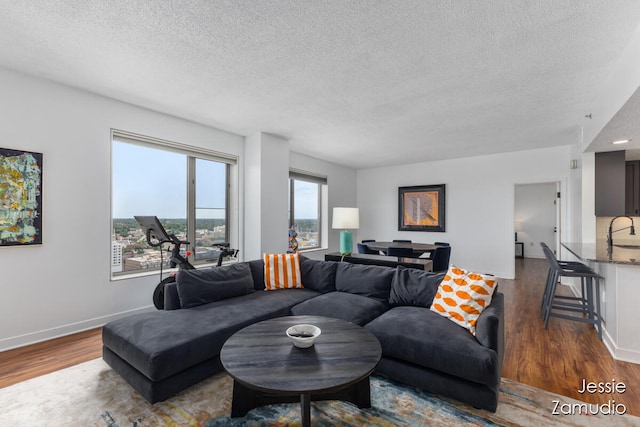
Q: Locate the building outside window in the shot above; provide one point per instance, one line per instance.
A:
(187, 188)
(305, 208)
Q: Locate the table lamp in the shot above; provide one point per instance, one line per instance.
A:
(346, 219)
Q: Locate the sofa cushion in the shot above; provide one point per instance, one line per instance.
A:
(162, 343)
(341, 305)
(318, 275)
(257, 271)
(422, 337)
(367, 280)
(490, 326)
(202, 286)
(462, 296)
(282, 271)
(411, 286)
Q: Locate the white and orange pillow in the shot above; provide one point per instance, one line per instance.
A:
(462, 296)
(282, 271)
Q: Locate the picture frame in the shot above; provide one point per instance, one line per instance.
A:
(422, 208)
(20, 197)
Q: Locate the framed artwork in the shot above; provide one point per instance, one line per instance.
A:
(421, 208)
(20, 198)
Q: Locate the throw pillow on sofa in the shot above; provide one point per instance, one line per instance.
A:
(317, 275)
(367, 280)
(462, 296)
(415, 287)
(197, 287)
(282, 271)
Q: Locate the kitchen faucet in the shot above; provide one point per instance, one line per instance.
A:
(611, 231)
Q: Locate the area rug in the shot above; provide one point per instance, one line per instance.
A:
(91, 394)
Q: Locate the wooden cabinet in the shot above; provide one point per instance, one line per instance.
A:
(610, 174)
(632, 188)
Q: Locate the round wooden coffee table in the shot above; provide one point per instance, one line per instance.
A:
(267, 368)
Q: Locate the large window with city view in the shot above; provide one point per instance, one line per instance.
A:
(187, 189)
(305, 208)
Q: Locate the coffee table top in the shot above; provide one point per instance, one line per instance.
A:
(263, 358)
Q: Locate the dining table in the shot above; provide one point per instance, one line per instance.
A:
(418, 248)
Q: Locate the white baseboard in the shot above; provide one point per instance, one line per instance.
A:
(621, 354)
(60, 331)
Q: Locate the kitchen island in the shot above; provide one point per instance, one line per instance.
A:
(619, 266)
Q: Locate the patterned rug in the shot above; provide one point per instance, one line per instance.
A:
(91, 394)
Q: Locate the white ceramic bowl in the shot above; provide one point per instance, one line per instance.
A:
(303, 336)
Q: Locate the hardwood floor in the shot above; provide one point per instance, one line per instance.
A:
(560, 357)
(556, 359)
(38, 359)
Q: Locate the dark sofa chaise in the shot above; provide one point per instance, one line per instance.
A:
(161, 353)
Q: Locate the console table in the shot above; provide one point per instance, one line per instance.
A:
(387, 261)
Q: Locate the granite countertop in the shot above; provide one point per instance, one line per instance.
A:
(599, 252)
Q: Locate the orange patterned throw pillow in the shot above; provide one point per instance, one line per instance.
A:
(282, 271)
(462, 296)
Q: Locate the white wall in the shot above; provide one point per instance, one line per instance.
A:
(341, 183)
(266, 195)
(64, 285)
(574, 214)
(535, 213)
(479, 202)
(588, 198)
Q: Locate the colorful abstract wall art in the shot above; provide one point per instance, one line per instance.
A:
(20, 198)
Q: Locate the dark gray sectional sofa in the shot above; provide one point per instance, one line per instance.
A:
(161, 353)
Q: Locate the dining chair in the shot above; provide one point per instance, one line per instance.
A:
(441, 244)
(402, 241)
(366, 248)
(440, 257)
(400, 252)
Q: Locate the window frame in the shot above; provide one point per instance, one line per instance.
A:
(320, 180)
(191, 154)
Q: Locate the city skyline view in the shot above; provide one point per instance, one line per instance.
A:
(150, 181)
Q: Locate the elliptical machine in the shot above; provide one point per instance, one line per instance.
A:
(156, 236)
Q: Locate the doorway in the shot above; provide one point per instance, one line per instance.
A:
(537, 218)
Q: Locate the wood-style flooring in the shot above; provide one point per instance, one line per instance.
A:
(560, 357)
(556, 359)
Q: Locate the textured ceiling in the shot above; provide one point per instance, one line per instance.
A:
(361, 83)
(624, 125)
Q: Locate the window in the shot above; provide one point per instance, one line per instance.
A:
(187, 188)
(306, 207)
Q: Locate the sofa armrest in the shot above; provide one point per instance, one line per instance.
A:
(171, 298)
(490, 325)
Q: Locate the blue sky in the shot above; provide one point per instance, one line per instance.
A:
(153, 182)
(147, 181)
(306, 197)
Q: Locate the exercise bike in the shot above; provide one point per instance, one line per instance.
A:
(157, 236)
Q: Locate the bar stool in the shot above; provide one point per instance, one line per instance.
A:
(554, 305)
(565, 265)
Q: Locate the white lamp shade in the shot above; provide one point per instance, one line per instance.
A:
(346, 218)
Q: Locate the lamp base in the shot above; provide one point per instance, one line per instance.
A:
(346, 243)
